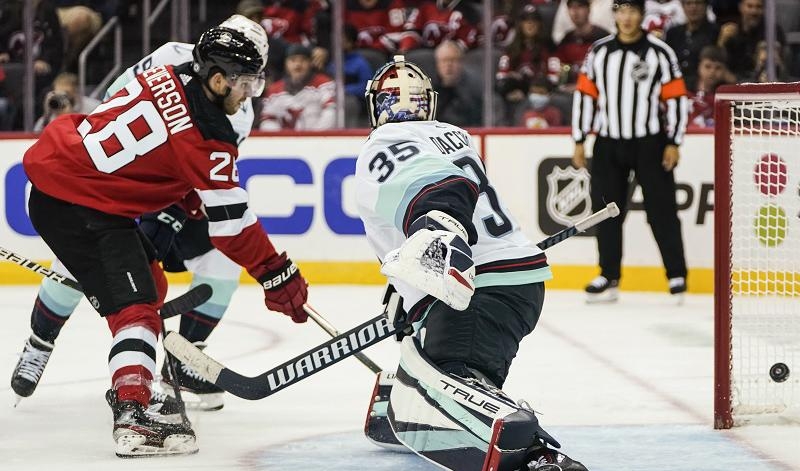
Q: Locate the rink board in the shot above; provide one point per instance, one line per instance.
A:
(316, 222)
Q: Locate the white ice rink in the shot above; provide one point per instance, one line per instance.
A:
(623, 387)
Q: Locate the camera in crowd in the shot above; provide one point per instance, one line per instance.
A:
(59, 101)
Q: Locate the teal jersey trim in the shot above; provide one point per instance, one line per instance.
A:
(513, 278)
(395, 195)
(60, 299)
(117, 85)
(220, 299)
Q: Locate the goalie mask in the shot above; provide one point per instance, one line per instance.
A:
(237, 47)
(399, 92)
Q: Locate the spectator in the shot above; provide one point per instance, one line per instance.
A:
(689, 39)
(460, 95)
(357, 73)
(576, 43)
(431, 23)
(505, 11)
(294, 22)
(530, 56)
(540, 112)
(599, 14)
(302, 100)
(759, 74)
(741, 38)
(379, 23)
(64, 99)
(80, 22)
(661, 15)
(48, 50)
(710, 74)
(725, 10)
(48, 47)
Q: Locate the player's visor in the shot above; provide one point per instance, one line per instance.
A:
(251, 84)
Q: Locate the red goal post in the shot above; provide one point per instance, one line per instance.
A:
(757, 254)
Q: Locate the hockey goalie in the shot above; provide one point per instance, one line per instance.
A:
(471, 285)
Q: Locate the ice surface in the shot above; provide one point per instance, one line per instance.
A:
(623, 387)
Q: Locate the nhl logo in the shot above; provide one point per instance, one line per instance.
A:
(95, 302)
(568, 197)
(640, 71)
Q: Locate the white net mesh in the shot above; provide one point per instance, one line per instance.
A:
(765, 259)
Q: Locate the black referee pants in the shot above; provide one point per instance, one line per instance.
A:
(612, 161)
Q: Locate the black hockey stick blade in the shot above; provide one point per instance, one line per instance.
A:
(297, 369)
(186, 302)
(182, 304)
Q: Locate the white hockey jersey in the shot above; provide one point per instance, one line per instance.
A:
(399, 162)
(174, 53)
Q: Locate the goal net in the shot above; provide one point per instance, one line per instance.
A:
(757, 254)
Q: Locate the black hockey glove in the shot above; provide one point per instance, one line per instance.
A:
(162, 227)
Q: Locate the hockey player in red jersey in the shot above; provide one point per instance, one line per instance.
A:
(164, 137)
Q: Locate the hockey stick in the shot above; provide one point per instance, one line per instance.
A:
(331, 330)
(326, 354)
(179, 305)
(610, 211)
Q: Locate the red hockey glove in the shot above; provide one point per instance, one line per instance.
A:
(285, 289)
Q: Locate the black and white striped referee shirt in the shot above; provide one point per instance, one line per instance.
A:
(623, 91)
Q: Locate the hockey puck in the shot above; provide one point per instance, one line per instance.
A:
(779, 372)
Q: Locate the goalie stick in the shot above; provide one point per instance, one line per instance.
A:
(179, 305)
(331, 352)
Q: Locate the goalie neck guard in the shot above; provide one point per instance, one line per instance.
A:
(399, 91)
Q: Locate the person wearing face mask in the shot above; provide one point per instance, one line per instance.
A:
(541, 113)
(625, 83)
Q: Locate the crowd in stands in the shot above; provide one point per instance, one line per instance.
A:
(538, 45)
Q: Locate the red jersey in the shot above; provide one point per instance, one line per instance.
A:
(145, 148)
(378, 28)
(292, 21)
(430, 25)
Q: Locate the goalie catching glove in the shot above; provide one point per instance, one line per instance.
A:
(435, 259)
(285, 289)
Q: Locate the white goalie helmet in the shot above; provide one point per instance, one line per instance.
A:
(399, 91)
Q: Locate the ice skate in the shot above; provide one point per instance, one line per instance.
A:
(547, 459)
(677, 288)
(165, 405)
(30, 366)
(139, 432)
(602, 290)
(196, 392)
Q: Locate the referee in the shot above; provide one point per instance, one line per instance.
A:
(631, 92)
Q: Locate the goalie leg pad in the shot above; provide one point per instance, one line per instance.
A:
(376, 427)
(453, 422)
